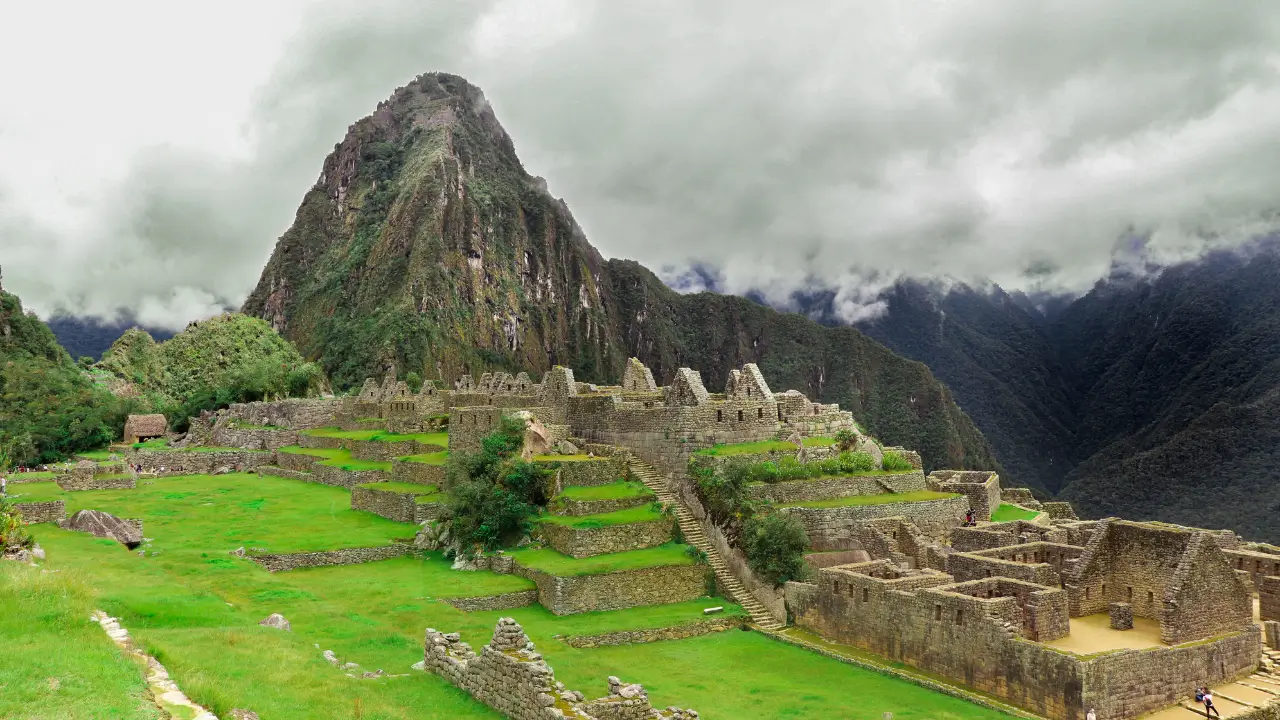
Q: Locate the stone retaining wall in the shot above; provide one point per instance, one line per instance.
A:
(422, 512)
(336, 476)
(1269, 598)
(348, 556)
(591, 473)
(42, 512)
(285, 473)
(833, 528)
(379, 451)
(836, 487)
(76, 483)
(417, 473)
(392, 505)
(253, 438)
(505, 601)
(296, 461)
(617, 590)
(577, 508)
(648, 635)
(587, 542)
(294, 413)
(196, 462)
(321, 443)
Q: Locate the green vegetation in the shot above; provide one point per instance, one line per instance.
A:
(566, 458)
(432, 458)
(554, 563)
(152, 444)
(1007, 512)
(882, 499)
(49, 408)
(440, 439)
(349, 463)
(895, 461)
(493, 494)
(767, 446)
(95, 454)
(13, 534)
(326, 453)
(788, 469)
(57, 662)
(643, 513)
(613, 491)
(774, 544)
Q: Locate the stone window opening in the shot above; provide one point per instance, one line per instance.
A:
(748, 392)
(866, 595)
(988, 573)
(719, 416)
(1129, 593)
(937, 612)
(1239, 563)
(779, 414)
(1151, 596)
(836, 586)
(759, 413)
(959, 616)
(1104, 591)
(1086, 593)
(739, 416)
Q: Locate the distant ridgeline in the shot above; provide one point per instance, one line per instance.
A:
(91, 337)
(425, 243)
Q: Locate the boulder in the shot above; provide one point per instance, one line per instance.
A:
(21, 555)
(867, 445)
(564, 447)
(37, 552)
(104, 525)
(278, 621)
(242, 714)
(537, 438)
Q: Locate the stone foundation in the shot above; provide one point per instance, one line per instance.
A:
(74, 483)
(590, 473)
(833, 528)
(648, 635)
(417, 473)
(578, 508)
(285, 473)
(42, 512)
(348, 556)
(505, 601)
(1121, 616)
(199, 462)
(296, 461)
(836, 487)
(617, 590)
(336, 476)
(392, 505)
(510, 677)
(587, 542)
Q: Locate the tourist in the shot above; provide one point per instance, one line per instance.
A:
(969, 520)
(4, 486)
(1208, 704)
(1091, 715)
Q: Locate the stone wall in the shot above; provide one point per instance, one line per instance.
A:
(379, 451)
(422, 512)
(586, 542)
(505, 601)
(1059, 510)
(392, 505)
(229, 435)
(296, 461)
(469, 425)
(617, 590)
(577, 508)
(923, 621)
(836, 487)
(647, 635)
(287, 474)
(294, 414)
(1269, 598)
(417, 473)
(319, 442)
(42, 512)
(982, 487)
(832, 528)
(511, 677)
(1258, 565)
(336, 476)
(75, 483)
(968, 539)
(195, 462)
(1040, 562)
(589, 473)
(348, 556)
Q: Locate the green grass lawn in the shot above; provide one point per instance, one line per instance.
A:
(41, 474)
(95, 454)
(422, 493)
(346, 462)
(765, 446)
(152, 444)
(550, 561)
(886, 498)
(196, 608)
(334, 432)
(57, 662)
(643, 513)
(433, 458)
(613, 491)
(440, 439)
(1007, 512)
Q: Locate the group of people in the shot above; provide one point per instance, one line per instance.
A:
(1204, 696)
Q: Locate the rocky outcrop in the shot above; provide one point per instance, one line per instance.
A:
(277, 621)
(105, 525)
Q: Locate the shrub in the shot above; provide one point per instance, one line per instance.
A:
(895, 462)
(724, 494)
(494, 495)
(851, 462)
(775, 545)
(13, 534)
(845, 439)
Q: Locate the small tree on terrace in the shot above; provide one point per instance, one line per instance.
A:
(493, 494)
(774, 544)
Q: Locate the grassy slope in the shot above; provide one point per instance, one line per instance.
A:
(613, 491)
(197, 610)
(553, 562)
(885, 499)
(1007, 512)
(57, 662)
(640, 514)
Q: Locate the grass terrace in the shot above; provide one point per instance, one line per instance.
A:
(552, 562)
(96, 454)
(1007, 512)
(440, 439)
(613, 491)
(836, 476)
(432, 458)
(883, 499)
(152, 444)
(41, 474)
(421, 493)
(644, 513)
(325, 453)
(767, 446)
(346, 462)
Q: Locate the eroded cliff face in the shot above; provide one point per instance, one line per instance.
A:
(425, 243)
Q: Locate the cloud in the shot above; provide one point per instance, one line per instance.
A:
(786, 145)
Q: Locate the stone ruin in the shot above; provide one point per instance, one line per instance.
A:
(510, 676)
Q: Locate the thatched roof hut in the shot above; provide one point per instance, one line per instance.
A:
(144, 427)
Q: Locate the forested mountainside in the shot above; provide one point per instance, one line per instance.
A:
(91, 337)
(425, 243)
(1156, 398)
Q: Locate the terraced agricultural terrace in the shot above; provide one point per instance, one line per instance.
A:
(341, 516)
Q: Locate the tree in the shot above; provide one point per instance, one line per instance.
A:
(493, 494)
(774, 544)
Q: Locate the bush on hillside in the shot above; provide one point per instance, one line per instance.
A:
(493, 494)
(894, 461)
(788, 468)
(13, 533)
(724, 494)
(774, 544)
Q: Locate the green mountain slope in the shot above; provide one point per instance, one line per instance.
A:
(425, 243)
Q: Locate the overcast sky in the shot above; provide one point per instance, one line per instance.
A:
(151, 152)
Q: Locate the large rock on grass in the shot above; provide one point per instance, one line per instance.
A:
(104, 525)
(278, 621)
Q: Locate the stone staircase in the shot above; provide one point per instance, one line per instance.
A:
(1235, 698)
(694, 535)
